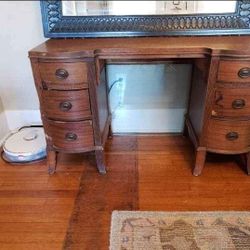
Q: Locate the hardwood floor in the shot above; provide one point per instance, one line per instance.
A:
(145, 173)
(35, 207)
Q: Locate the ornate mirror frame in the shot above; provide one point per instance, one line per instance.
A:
(56, 25)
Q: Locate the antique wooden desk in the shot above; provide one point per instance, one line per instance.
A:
(71, 84)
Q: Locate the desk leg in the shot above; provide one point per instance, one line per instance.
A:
(110, 134)
(99, 156)
(199, 161)
(51, 161)
(185, 132)
(248, 163)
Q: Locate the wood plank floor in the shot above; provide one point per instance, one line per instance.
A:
(36, 209)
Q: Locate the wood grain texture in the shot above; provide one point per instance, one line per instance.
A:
(66, 105)
(248, 163)
(68, 100)
(197, 101)
(229, 70)
(71, 136)
(225, 103)
(217, 136)
(51, 160)
(100, 110)
(77, 75)
(200, 159)
(150, 173)
(209, 94)
(159, 47)
(64, 64)
(35, 207)
(99, 105)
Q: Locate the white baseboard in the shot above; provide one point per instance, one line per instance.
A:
(19, 118)
(140, 121)
(126, 120)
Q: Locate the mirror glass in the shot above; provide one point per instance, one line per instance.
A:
(97, 8)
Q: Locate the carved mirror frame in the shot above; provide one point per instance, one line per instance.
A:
(56, 25)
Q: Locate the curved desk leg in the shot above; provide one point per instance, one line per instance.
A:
(51, 161)
(99, 156)
(199, 161)
(185, 132)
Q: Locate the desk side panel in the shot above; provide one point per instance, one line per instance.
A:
(197, 102)
(99, 104)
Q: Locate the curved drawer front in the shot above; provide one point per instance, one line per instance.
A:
(70, 136)
(234, 71)
(59, 75)
(228, 135)
(66, 105)
(231, 103)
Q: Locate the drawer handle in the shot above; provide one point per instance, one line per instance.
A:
(62, 73)
(232, 136)
(238, 104)
(71, 137)
(244, 73)
(65, 106)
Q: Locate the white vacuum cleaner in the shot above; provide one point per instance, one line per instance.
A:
(28, 144)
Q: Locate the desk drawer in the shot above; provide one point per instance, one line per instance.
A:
(233, 136)
(66, 105)
(234, 71)
(229, 102)
(58, 75)
(70, 136)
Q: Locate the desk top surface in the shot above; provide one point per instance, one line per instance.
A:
(143, 47)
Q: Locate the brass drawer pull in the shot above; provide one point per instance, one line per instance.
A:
(238, 104)
(232, 136)
(62, 73)
(71, 137)
(244, 73)
(65, 106)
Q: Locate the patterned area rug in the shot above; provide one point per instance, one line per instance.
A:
(180, 230)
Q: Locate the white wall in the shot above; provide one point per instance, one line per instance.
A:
(149, 98)
(21, 30)
(3, 124)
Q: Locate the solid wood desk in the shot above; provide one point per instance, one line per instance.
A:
(72, 89)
